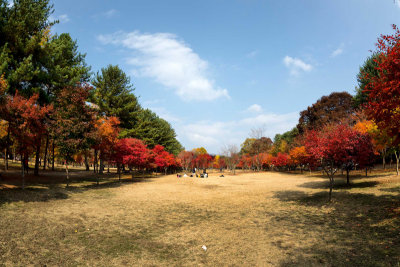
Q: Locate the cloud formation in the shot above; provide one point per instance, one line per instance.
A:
(255, 108)
(252, 54)
(215, 135)
(110, 13)
(64, 18)
(338, 51)
(170, 61)
(296, 65)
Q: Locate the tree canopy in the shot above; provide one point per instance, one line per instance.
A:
(114, 95)
(328, 109)
(367, 71)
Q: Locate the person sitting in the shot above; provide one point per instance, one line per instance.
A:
(221, 175)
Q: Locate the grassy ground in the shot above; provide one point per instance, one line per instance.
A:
(248, 219)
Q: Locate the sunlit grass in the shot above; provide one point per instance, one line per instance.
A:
(247, 219)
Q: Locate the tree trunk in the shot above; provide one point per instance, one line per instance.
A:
(14, 155)
(348, 176)
(39, 144)
(95, 161)
(366, 172)
(86, 161)
(101, 169)
(384, 158)
(23, 171)
(66, 169)
(331, 172)
(119, 172)
(5, 160)
(330, 188)
(6, 150)
(53, 157)
(397, 161)
(45, 152)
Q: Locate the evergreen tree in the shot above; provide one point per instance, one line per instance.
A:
(155, 131)
(113, 94)
(22, 30)
(65, 65)
(367, 72)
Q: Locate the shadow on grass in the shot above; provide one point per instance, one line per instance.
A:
(338, 184)
(317, 199)
(353, 176)
(9, 195)
(355, 230)
(391, 190)
(53, 186)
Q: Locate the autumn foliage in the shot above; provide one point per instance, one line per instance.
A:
(27, 120)
(384, 89)
(339, 146)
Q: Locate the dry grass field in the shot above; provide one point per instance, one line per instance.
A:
(250, 219)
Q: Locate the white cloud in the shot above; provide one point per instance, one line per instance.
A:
(255, 108)
(296, 65)
(151, 102)
(398, 3)
(252, 54)
(170, 61)
(338, 51)
(214, 135)
(165, 114)
(110, 13)
(64, 18)
(107, 14)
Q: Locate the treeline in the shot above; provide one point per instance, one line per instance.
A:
(338, 132)
(52, 107)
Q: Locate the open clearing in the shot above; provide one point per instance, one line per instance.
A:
(248, 219)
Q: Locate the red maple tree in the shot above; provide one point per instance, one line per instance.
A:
(186, 159)
(384, 89)
(163, 159)
(281, 160)
(106, 137)
(338, 146)
(27, 123)
(203, 161)
(133, 153)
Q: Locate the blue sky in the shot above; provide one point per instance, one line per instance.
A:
(217, 69)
